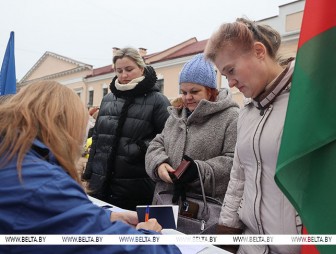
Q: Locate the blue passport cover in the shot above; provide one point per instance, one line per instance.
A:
(164, 214)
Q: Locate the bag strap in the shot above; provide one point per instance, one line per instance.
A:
(205, 212)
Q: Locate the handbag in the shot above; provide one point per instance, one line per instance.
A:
(203, 210)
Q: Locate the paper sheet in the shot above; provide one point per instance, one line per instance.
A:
(103, 204)
(185, 249)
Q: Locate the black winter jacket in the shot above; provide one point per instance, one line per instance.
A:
(127, 122)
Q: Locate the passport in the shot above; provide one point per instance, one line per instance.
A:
(166, 215)
(180, 170)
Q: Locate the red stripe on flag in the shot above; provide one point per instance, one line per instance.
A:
(319, 16)
(308, 249)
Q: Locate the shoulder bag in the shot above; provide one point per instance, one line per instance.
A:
(199, 214)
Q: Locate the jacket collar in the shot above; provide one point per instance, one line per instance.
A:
(266, 98)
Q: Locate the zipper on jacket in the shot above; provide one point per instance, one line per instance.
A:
(259, 224)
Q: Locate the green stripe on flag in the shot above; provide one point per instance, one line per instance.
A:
(306, 168)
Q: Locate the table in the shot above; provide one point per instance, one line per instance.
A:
(210, 249)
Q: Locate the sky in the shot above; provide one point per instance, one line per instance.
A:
(87, 30)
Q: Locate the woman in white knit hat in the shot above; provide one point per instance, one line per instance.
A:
(202, 131)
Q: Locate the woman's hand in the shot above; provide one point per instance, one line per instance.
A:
(163, 170)
(151, 224)
(129, 217)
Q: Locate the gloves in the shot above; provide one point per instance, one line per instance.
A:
(179, 191)
(188, 176)
(224, 230)
(191, 173)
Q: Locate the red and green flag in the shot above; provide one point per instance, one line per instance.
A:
(306, 167)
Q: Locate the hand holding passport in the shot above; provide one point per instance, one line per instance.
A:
(186, 172)
(179, 171)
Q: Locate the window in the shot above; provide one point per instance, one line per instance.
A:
(79, 91)
(159, 83)
(90, 103)
(105, 89)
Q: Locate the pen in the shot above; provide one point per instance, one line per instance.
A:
(147, 213)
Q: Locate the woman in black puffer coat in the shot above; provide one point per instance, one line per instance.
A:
(129, 118)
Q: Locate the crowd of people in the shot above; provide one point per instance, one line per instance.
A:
(138, 139)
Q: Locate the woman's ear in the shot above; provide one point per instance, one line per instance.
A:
(259, 50)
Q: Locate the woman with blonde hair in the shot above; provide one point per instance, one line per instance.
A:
(129, 118)
(42, 129)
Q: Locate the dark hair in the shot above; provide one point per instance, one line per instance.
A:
(243, 33)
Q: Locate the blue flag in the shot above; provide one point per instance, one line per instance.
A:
(7, 74)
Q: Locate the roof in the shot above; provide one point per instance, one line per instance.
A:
(186, 48)
(191, 49)
(80, 65)
(101, 71)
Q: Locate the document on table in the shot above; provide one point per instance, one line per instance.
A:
(105, 205)
(166, 215)
(185, 249)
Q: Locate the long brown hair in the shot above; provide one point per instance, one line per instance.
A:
(49, 112)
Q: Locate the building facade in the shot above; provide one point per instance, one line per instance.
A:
(92, 84)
